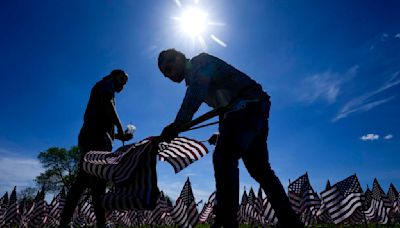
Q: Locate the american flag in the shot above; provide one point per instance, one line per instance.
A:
(124, 218)
(188, 198)
(12, 216)
(344, 200)
(380, 205)
(55, 208)
(86, 211)
(161, 210)
(179, 213)
(117, 217)
(132, 169)
(3, 207)
(367, 198)
(28, 215)
(39, 213)
(323, 215)
(393, 196)
(22, 211)
(145, 216)
(258, 207)
(304, 200)
(251, 197)
(131, 218)
(259, 203)
(241, 212)
(250, 211)
(208, 208)
(181, 152)
(246, 213)
(269, 213)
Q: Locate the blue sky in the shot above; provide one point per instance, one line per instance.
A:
(332, 70)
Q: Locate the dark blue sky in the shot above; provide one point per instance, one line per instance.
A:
(332, 70)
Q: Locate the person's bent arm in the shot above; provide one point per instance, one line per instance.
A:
(191, 103)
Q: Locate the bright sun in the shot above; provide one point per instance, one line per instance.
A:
(195, 23)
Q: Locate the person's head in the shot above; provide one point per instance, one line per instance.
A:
(172, 64)
(120, 78)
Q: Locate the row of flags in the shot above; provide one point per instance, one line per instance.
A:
(135, 199)
(30, 214)
(342, 203)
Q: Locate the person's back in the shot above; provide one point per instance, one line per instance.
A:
(94, 116)
(224, 83)
(97, 123)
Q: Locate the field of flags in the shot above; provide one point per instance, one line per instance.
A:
(342, 203)
(132, 171)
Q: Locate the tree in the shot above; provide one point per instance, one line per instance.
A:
(28, 193)
(60, 166)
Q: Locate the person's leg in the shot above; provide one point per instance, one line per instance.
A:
(227, 186)
(73, 196)
(232, 142)
(98, 189)
(97, 186)
(256, 162)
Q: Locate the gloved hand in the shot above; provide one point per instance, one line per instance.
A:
(213, 139)
(169, 132)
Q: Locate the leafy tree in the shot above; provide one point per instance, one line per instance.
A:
(28, 193)
(60, 168)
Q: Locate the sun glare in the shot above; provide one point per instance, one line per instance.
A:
(195, 23)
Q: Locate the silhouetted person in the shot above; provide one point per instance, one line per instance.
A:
(243, 129)
(97, 133)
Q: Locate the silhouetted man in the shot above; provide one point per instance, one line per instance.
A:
(97, 133)
(243, 129)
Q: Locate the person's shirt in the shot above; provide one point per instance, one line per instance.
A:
(213, 81)
(96, 118)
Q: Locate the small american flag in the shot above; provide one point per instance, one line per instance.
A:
(188, 198)
(344, 200)
(304, 200)
(181, 152)
(39, 214)
(12, 216)
(208, 208)
(393, 196)
(161, 210)
(380, 205)
(3, 207)
(55, 208)
(269, 213)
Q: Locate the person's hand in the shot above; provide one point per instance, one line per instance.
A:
(213, 139)
(124, 136)
(169, 132)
